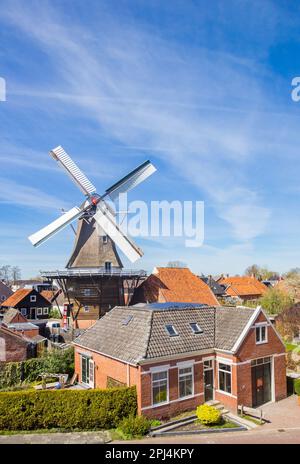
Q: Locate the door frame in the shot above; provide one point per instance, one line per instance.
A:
(272, 381)
(213, 377)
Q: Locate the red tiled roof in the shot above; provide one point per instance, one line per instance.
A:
(50, 294)
(16, 297)
(179, 285)
(243, 286)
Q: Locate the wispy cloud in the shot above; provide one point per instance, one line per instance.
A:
(161, 96)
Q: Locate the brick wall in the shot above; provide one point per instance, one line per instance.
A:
(12, 348)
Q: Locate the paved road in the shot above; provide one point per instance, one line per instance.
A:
(267, 436)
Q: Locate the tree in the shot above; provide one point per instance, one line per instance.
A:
(260, 273)
(15, 273)
(274, 301)
(5, 273)
(252, 270)
(292, 273)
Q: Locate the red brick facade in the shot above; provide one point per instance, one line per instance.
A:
(239, 362)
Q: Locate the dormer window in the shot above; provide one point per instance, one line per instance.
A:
(195, 328)
(171, 331)
(127, 320)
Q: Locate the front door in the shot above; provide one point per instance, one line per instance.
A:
(261, 382)
(208, 380)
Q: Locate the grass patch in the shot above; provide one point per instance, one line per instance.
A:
(251, 419)
(291, 346)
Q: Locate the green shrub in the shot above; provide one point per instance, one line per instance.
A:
(67, 409)
(297, 386)
(155, 423)
(134, 426)
(208, 415)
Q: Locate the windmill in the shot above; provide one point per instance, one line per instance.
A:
(94, 205)
(90, 288)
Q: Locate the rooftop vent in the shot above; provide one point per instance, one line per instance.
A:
(171, 330)
(127, 320)
(195, 328)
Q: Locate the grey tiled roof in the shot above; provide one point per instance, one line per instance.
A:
(230, 322)
(145, 336)
(111, 337)
(161, 344)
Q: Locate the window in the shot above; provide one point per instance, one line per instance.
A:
(23, 311)
(105, 239)
(171, 330)
(261, 334)
(207, 365)
(46, 311)
(185, 382)
(3, 297)
(127, 320)
(257, 362)
(225, 378)
(87, 292)
(195, 328)
(108, 266)
(32, 298)
(39, 311)
(159, 387)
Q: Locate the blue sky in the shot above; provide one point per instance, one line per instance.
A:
(201, 88)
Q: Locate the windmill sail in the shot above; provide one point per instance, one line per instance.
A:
(73, 170)
(132, 179)
(106, 220)
(44, 234)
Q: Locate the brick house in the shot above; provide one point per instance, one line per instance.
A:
(30, 302)
(182, 355)
(243, 287)
(168, 284)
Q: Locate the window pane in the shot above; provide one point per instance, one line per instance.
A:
(159, 387)
(185, 383)
(257, 334)
(160, 375)
(263, 333)
(225, 381)
(225, 367)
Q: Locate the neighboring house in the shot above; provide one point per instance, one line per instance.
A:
(243, 288)
(31, 303)
(181, 356)
(56, 299)
(217, 289)
(167, 284)
(39, 285)
(5, 292)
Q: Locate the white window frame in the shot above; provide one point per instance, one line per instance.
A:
(46, 311)
(39, 311)
(190, 366)
(157, 372)
(24, 311)
(32, 298)
(221, 370)
(258, 327)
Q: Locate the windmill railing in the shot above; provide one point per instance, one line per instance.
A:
(93, 272)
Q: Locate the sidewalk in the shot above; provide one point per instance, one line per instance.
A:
(58, 438)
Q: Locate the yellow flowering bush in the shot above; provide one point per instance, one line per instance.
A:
(208, 415)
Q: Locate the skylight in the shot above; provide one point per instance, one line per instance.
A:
(171, 330)
(195, 328)
(127, 320)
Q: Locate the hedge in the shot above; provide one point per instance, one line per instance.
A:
(56, 362)
(66, 409)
